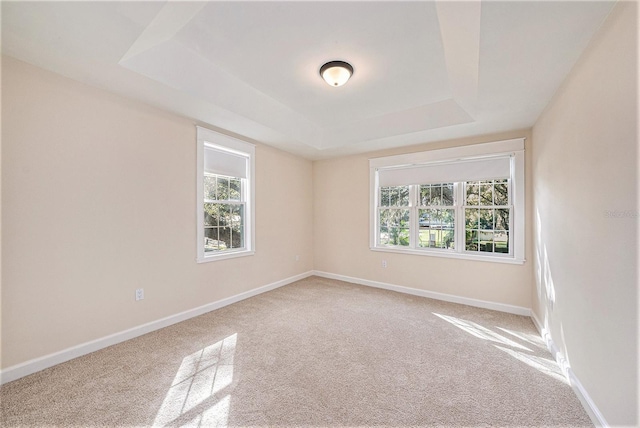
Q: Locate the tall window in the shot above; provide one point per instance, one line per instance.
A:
(225, 197)
(464, 202)
(487, 215)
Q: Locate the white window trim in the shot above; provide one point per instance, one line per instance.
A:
(513, 148)
(243, 148)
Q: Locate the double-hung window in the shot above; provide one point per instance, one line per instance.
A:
(462, 202)
(225, 188)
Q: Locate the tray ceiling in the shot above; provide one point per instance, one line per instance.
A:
(424, 71)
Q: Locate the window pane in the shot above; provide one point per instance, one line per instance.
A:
(425, 195)
(384, 196)
(471, 218)
(436, 194)
(237, 227)
(234, 189)
(502, 219)
(501, 242)
(393, 196)
(486, 219)
(471, 240)
(384, 235)
(211, 214)
(472, 188)
(209, 188)
(447, 194)
(486, 193)
(394, 227)
(225, 236)
(501, 192)
(223, 188)
(403, 196)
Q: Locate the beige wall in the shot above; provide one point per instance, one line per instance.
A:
(341, 242)
(584, 159)
(99, 199)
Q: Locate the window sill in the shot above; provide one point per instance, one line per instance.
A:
(452, 255)
(225, 256)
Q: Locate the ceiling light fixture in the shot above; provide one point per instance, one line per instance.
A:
(336, 73)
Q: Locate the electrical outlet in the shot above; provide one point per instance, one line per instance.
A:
(139, 293)
(297, 258)
(384, 263)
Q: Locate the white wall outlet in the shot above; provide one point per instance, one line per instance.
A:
(139, 293)
(384, 263)
(297, 258)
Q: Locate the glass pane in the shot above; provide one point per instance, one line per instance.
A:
(501, 242)
(471, 240)
(436, 194)
(234, 189)
(225, 238)
(486, 193)
(223, 188)
(425, 194)
(471, 218)
(209, 188)
(385, 215)
(384, 196)
(449, 239)
(393, 196)
(447, 194)
(211, 215)
(501, 193)
(486, 219)
(502, 219)
(472, 192)
(485, 240)
(403, 196)
(384, 235)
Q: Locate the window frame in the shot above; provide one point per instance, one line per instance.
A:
(513, 148)
(234, 146)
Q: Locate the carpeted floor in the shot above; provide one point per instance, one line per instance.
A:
(317, 352)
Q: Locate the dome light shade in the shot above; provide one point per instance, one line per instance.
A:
(336, 73)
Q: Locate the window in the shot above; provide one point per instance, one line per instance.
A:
(225, 208)
(463, 202)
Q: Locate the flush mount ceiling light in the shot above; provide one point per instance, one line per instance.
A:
(336, 73)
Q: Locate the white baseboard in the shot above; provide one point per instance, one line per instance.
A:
(590, 407)
(518, 310)
(32, 366)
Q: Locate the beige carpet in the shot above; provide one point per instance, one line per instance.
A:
(317, 352)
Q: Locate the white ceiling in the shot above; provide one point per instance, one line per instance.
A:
(424, 71)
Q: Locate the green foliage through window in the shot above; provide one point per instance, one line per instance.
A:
(223, 213)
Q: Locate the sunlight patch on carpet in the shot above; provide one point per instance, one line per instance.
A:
(480, 332)
(543, 365)
(201, 376)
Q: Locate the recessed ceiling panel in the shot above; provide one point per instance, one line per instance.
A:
(278, 48)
